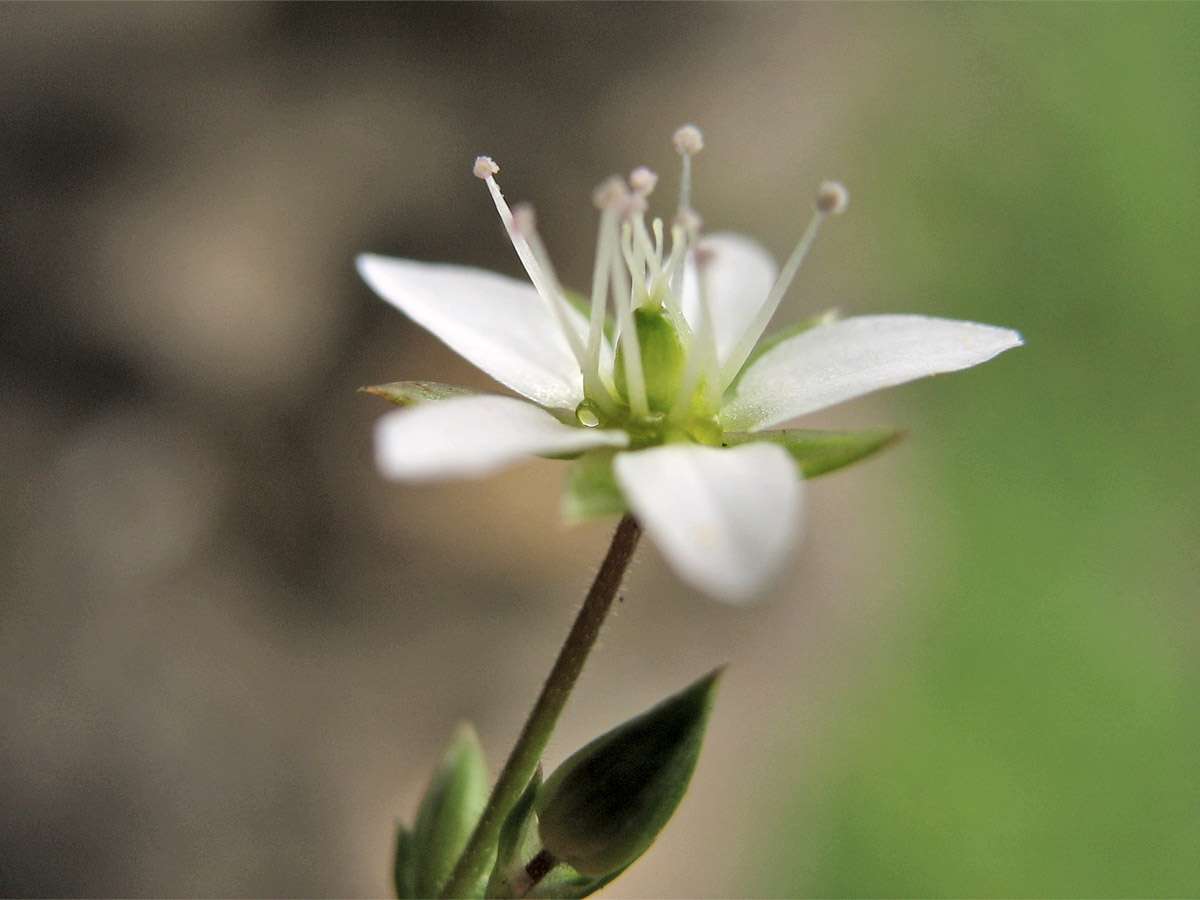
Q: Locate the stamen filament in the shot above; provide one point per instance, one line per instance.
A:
(635, 379)
(593, 387)
(701, 357)
(536, 261)
(733, 365)
(673, 276)
(600, 281)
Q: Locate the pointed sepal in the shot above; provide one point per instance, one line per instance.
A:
(410, 393)
(592, 489)
(402, 866)
(818, 452)
(453, 802)
(607, 803)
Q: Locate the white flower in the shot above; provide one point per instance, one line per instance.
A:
(664, 406)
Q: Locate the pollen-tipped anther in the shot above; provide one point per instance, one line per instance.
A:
(642, 180)
(832, 197)
(688, 140)
(485, 167)
(610, 194)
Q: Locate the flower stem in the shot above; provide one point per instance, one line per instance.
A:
(534, 736)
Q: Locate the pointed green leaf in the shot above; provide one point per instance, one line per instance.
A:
(591, 488)
(449, 811)
(819, 452)
(607, 803)
(402, 868)
(410, 393)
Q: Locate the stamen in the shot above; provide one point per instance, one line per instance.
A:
(522, 231)
(606, 249)
(484, 166)
(643, 181)
(688, 142)
(635, 379)
(657, 227)
(702, 351)
(683, 235)
(672, 277)
(524, 225)
(646, 259)
(831, 199)
(611, 194)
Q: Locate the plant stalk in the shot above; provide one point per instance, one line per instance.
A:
(531, 743)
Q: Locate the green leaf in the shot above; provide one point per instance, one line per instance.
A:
(607, 803)
(449, 811)
(591, 487)
(819, 452)
(402, 869)
(410, 393)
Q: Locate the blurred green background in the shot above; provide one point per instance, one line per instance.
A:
(231, 654)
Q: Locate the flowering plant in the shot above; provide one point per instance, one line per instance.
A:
(665, 391)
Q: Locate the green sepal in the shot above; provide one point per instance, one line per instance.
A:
(402, 868)
(452, 805)
(607, 803)
(410, 393)
(818, 452)
(591, 488)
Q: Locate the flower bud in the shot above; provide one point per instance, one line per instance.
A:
(607, 803)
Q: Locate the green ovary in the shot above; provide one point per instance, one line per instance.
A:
(662, 360)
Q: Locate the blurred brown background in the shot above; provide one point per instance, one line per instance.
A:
(230, 654)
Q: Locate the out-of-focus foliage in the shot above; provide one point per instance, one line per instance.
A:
(1031, 727)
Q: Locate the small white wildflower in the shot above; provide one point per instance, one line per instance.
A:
(677, 394)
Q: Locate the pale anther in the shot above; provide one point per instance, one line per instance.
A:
(484, 167)
(832, 197)
(643, 180)
(688, 140)
(610, 194)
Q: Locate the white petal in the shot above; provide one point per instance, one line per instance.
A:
(499, 324)
(834, 362)
(740, 275)
(724, 519)
(468, 437)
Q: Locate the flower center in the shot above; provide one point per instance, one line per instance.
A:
(659, 377)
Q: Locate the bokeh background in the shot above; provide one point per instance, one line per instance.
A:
(230, 654)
